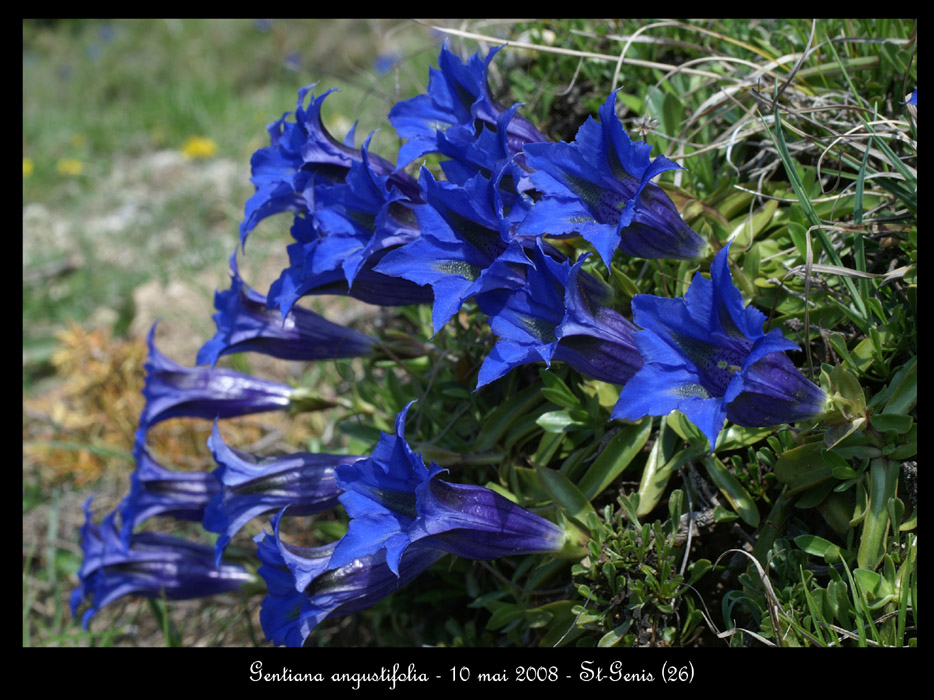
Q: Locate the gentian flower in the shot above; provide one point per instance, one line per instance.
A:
(302, 155)
(463, 235)
(706, 355)
(369, 285)
(358, 219)
(395, 502)
(153, 565)
(304, 591)
(458, 95)
(558, 314)
(912, 99)
(246, 324)
(172, 390)
(251, 486)
(599, 187)
(156, 490)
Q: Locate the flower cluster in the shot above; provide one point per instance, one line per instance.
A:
(492, 230)
(403, 518)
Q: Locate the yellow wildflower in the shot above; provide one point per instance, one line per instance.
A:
(198, 147)
(69, 166)
(28, 167)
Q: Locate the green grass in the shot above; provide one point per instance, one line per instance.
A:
(111, 94)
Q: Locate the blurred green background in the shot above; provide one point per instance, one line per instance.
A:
(137, 137)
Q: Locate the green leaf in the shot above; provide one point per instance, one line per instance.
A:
(837, 509)
(697, 570)
(565, 494)
(616, 456)
(738, 497)
(803, 467)
(736, 436)
(804, 200)
(815, 495)
(627, 286)
(748, 228)
(547, 447)
(556, 391)
(819, 547)
(503, 616)
(615, 636)
(503, 417)
(897, 422)
(904, 395)
(883, 482)
(876, 590)
(560, 422)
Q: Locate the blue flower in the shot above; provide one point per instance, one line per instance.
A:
(156, 490)
(304, 591)
(395, 502)
(599, 187)
(369, 285)
(385, 62)
(153, 565)
(558, 314)
(251, 486)
(706, 356)
(246, 324)
(302, 155)
(913, 98)
(172, 391)
(463, 235)
(358, 219)
(457, 95)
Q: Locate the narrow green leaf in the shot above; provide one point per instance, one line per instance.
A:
(615, 636)
(556, 391)
(905, 393)
(883, 482)
(819, 547)
(616, 456)
(565, 494)
(503, 616)
(730, 487)
(805, 202)
(802, 467)
(559, 422)
(502, 418)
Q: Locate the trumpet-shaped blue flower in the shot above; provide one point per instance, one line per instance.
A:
(302, 155)
(558, 314)
(457, 95)
(156, 490)
(394, 502)
(707, 356)
(153, 565)
(369, 285)
(251, 486)
(599, 187)
(172, 390)
(464, 239)
(246, 324)
(304, 591)
(358, 219)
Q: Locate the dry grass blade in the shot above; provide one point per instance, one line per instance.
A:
(797, 66)
(629, 41)
(848, 272)
(774, 606)
(567, 52)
